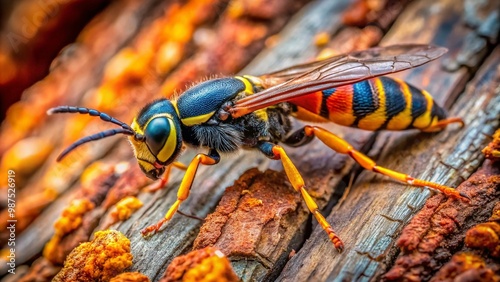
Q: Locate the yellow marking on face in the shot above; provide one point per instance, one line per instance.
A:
(135, 126)
(425, 119)
(376, 119)
(141, 150)
(147, 166)
(403, 119)
(169, 147)
(190, 121)
(248, 85)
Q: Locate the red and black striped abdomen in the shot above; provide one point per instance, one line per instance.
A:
(379, 103)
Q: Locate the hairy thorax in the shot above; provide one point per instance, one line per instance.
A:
(270, 124)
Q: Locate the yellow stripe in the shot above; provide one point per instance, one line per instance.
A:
(261, 114)
(135, 126)
(190, 121)
(168, 149)
(174, 103)
(147, 166)
(254, 80)
(403, 119)
(425, 119)
(248, 85)
(306, 115)
(376, 119)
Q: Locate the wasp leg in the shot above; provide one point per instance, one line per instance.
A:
(440, 125)
(162, 182)
(341, 146)
(212, 158)
(277, 152)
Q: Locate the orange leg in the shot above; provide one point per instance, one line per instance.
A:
(162, 182)
(184, 189)
(341, 146)
(297, 182)
(440, 125)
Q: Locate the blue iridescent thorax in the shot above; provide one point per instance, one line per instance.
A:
(200, 102)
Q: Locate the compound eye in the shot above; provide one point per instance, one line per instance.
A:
(156, 133)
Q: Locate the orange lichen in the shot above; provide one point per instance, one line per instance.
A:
(130, 277)
(107, 255)
(361, 12)
(495, 215)
(250, 203)
(437, 224)
(321, 39)
(485, 236)
(465, 267)
(71, 218)
(125, 207)
(208, 264)
(492, 151)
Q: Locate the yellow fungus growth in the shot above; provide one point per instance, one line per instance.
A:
(71, 219)
(125, 207)
(321, 39)
(130, 277)
(492, 151)
(107, 255)
(485, 236)
(208, 264)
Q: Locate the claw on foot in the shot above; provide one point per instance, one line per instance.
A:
(153, 229)
(337, 242)
(463, 196)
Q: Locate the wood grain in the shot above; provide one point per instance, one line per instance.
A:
(377, 208)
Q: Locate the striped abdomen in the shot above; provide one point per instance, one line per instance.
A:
(379, 103)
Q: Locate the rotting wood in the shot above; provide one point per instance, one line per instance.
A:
(257, 259)
(210, 182)
(376, 208)
(312, 159)
(257, 223)
(50, 215)
(438, 230)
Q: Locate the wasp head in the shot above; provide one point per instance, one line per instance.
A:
(157, 141)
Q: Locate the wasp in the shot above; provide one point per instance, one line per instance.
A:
(254, 112)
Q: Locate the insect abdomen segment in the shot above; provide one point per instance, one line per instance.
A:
(373, 104)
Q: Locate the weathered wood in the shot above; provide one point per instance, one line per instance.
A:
(210, 182)
(258, 222)
(81, 159)
(259, 259)
(384, 205)
(376, 208)
(438, 230)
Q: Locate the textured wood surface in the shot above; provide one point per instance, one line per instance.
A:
(377, 208)
(289, 246)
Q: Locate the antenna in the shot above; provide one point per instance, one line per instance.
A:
(125, 128)
(87, 111)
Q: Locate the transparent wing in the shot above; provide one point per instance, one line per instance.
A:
(337, 71)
